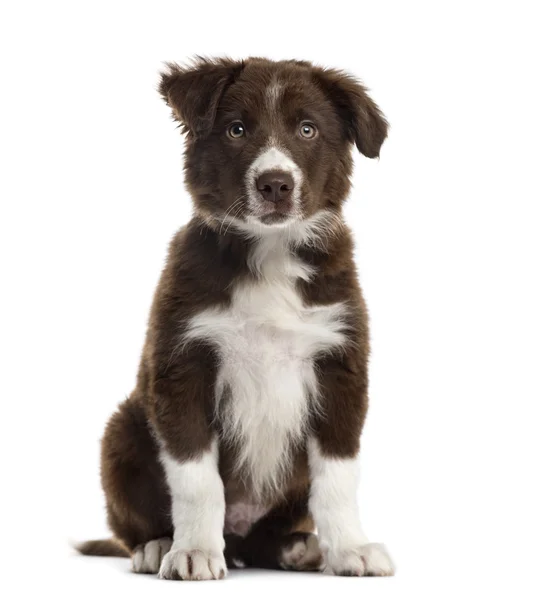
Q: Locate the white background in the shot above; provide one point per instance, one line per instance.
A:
(91, 193)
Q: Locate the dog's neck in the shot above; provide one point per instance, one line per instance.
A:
(261, 242)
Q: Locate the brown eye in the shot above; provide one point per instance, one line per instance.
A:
(307, 130)
(236, 130)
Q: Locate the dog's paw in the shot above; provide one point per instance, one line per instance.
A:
(301, 553)
(196, 565)
(369, 559)
(147, 558)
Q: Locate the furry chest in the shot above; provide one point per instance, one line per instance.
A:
(267, 340)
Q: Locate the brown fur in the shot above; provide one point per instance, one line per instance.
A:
(111, 547)
(173, 401)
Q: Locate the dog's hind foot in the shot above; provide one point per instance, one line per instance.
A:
(147, 558)
(301, 553)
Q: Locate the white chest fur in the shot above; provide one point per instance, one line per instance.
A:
(267, 340)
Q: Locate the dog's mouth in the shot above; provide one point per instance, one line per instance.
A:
(274, 218)
(275, 215)
(278, 212)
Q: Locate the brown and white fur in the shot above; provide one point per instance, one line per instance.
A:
(242, 434)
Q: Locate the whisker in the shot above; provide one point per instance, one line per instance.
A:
(241, 211)
(228, 211)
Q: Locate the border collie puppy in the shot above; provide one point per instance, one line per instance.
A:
(241, 438)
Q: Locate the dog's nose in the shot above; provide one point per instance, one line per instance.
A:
(275, 185)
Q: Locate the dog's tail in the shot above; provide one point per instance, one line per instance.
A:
(111, 547)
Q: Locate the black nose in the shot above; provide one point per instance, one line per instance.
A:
(275, 185)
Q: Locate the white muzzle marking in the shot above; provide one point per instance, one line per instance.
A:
(272, 158)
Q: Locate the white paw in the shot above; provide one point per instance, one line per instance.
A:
(302, 554)
(369, 559)
(148, 557)
(193, 565)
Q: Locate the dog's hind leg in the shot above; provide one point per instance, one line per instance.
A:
(137, 496)
(282, 539)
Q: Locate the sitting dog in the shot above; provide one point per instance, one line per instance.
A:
(241, 437)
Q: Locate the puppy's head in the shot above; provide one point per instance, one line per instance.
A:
(269, 143)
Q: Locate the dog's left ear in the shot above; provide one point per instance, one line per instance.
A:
(193, 93)
(364, 122)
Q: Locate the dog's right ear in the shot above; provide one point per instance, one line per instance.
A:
(193, 93)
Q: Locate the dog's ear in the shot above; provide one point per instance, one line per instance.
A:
(194, 92)
(365, 124)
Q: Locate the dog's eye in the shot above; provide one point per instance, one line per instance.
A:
(236, 130)
(307, 130)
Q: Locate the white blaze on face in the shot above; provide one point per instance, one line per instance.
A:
(272, 158)
(273, 94)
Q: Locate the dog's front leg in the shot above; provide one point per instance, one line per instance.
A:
(198, 510)
(333, 461)
(189, 454)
